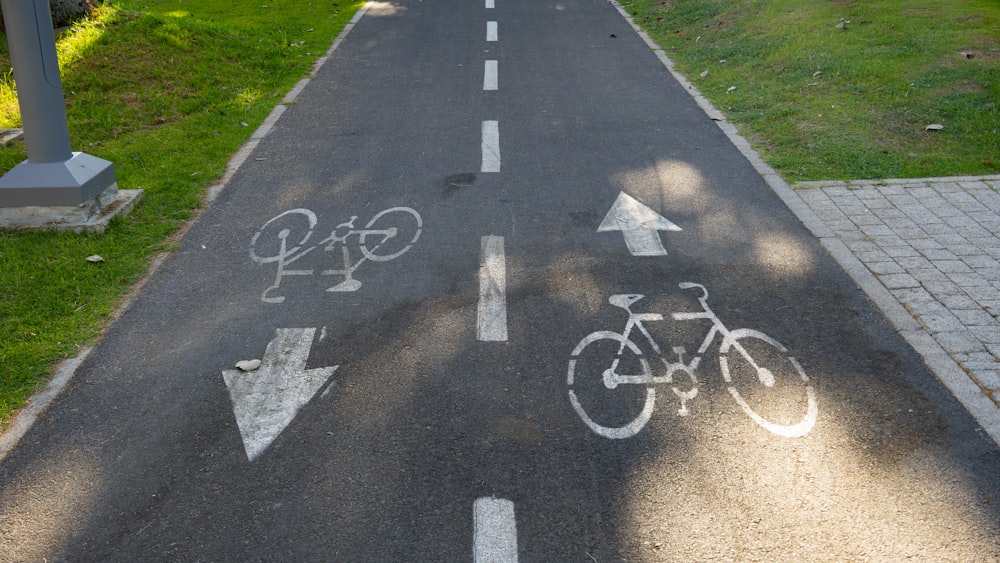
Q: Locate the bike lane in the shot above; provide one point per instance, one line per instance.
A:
(414, 404)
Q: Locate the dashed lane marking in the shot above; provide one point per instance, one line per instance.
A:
(490, 81)
(491, 146)
(495, 531)
(492, 323)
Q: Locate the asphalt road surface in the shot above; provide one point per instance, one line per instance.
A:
(515, 297)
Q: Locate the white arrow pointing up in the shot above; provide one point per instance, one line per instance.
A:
(639, 225)
(267, 399)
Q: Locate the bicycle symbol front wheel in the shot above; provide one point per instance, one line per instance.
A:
(769, 385)
(390, 233)
(289, 229)
(619, 410)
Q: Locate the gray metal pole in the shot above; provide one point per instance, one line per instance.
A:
(53, 176)
(36, 72)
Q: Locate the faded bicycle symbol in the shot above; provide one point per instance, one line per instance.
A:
(610, 373)
(284, 240)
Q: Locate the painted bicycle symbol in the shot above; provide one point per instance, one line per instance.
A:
(769, 385)
(283, 240)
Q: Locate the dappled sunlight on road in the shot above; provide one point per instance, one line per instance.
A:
(41, 510)
(663, 182)
(783, 254)
(736, 491)
(875, 478)
(743, 494)
(685, 180)
(693, 199)
(790, 423)
(381, 9)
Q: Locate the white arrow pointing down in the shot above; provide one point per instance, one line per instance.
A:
(267, 399)
(639, 225)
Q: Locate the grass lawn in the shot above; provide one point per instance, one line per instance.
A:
(168, 91)
(845, 89)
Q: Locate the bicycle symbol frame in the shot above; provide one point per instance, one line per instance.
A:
(372, 240)
(731, 341)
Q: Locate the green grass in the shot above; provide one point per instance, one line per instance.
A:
(821, 102)
(168, 91)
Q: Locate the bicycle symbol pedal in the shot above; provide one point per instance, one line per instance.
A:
(610, 372)
(387, 236)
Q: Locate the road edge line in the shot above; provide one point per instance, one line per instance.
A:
(945, 369)
(39, 402)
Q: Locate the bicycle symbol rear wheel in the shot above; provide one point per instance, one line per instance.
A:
(618, 412)
(776, 394)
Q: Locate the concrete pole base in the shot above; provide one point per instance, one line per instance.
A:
(71, 182)
(93, 215)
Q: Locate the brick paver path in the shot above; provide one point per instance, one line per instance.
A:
(935, 245)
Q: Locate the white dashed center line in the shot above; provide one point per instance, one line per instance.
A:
(490, 76)
(495, 531)
(492, 323)
(491, 31)
(491, 146)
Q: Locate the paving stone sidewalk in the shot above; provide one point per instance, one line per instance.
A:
(934, 244)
